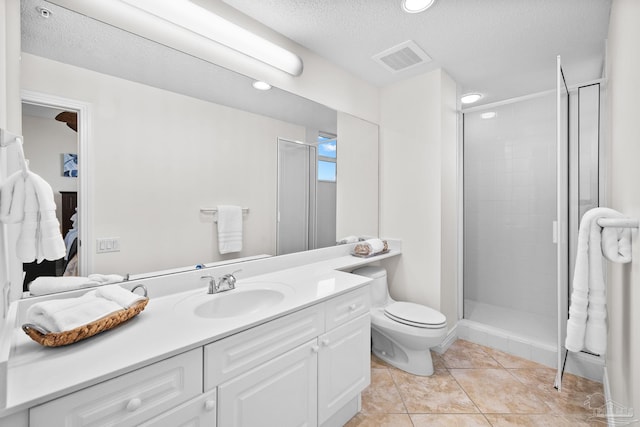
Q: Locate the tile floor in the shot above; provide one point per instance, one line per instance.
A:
(475, 385)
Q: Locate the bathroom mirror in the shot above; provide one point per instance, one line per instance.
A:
(172, 135)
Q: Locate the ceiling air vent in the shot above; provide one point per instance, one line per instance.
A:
(402, 57)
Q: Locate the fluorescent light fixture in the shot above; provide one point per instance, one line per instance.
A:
(260, 85)
(186, 26)
(470, 98)
(488, 115)
(416, 6)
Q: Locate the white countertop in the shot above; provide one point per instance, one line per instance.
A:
(37, 374)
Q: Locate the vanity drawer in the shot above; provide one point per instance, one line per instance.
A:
(346, 307)
(238, 353)
(128, 399)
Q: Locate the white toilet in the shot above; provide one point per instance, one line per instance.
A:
(402, 333)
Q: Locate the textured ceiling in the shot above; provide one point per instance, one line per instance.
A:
(502, 48)
(77, 40)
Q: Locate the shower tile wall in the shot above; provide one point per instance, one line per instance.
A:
(509, 206)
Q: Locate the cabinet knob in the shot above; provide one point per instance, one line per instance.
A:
(210, 405)
(325, 342)
(352, 307)
(315, 348)
(134, 404)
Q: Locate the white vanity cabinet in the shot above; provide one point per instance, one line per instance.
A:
(305, 368)
(298, 370)
(129, 399)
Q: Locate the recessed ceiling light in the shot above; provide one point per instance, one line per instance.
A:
(488, 115)
(260, 85)
(470, 98)
(416, 6)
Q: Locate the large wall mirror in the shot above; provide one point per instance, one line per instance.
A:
(170, 134)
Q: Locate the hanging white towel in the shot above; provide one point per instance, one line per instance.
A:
(586, 327)
(28, 199)
(229, 229)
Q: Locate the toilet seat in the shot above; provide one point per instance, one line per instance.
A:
(416, 315)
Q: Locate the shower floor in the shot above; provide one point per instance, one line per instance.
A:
(517, 323)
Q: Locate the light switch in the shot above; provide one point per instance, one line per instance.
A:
(107, 244)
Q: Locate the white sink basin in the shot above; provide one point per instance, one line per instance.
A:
(245, 299)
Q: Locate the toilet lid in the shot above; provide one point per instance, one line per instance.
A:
(415, 315)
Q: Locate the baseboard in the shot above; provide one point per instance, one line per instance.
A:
(451, 337)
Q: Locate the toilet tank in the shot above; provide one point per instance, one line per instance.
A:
(379, 290)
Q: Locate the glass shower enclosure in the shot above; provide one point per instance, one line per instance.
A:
(522, 204)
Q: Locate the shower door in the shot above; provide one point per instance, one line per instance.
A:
(562, 221)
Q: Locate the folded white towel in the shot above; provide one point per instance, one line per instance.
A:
(105, 279)
(45, 285)
(586, 327)
(65, 314)
(229, 229)
(119, 295)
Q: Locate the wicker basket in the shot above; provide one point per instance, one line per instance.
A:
(56, 339)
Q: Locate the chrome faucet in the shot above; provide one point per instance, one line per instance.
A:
(225, 283)
(213, 287)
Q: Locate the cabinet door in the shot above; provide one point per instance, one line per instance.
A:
(200, 411)
(126, 400)
(344, 365)
(281, 392)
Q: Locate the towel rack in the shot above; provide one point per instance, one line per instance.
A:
(619, 222)
(215, 210)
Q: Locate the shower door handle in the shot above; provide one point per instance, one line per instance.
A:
(555, 232)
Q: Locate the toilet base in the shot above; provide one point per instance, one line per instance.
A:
(416, 362)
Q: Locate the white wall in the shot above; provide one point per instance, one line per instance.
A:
(45, 142)
(418, 188)
(624, 175)
(10, 112)
(157, 157)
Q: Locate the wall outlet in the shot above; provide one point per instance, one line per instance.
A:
(107, 244)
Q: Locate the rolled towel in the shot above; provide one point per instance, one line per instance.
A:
(45, 285)
(370, 247)
(66, 314)
(119, 295)
(105, 279)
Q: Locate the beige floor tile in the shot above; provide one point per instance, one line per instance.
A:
(377, 363)
(380, 420)
(578, 395)
(497, 391)
(449, 420)
(464, 354)
(507, 360)
(548, 420)
(382, 396)
(438, 361)
(438, 393)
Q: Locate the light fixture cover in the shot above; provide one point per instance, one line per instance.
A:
(186, 26)
(416, 6)
(470, 98)
(260, 85)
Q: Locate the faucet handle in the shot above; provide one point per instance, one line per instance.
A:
(231, 278)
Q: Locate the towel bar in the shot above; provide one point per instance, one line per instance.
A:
(618, 222)
(215, 210)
